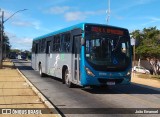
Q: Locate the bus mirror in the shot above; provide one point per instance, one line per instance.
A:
(82, 41)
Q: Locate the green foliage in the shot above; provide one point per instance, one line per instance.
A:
(6, 44)
(148, 42)
(15, 50)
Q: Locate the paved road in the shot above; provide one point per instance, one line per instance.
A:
(123, 96)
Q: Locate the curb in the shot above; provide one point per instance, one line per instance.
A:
(40, 95)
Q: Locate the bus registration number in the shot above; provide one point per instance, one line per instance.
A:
(111, 83)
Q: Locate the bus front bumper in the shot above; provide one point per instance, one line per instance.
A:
(98, 81)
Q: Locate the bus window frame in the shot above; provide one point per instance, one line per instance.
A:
(48, 39)
(54, 38)
(63, 50)
(43, 46)
(33, 47)
(36, 47)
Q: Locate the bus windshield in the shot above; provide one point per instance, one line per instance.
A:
(107, 52)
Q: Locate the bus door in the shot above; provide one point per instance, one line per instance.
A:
(76, 58)
(48, 56)
(36, 56)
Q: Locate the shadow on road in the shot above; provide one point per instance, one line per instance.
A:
(123, 89)
(24, 67)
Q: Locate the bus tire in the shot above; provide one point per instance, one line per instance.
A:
(40, 71)
(67, 80)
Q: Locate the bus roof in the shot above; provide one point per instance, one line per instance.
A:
(81, 25)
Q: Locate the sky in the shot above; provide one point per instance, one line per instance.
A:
(45, 16)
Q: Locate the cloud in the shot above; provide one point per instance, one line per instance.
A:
(118, 17)
(31, 24)
(57, 2)
(151, 20)
(78, 15)
(72, 16)
(139, 2)
(58, 9)
(34, 24)
(128, 5)
(22, 23)
(24, 43)
(155, 19)
(71, 13)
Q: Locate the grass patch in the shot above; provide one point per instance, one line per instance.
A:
(156, 77)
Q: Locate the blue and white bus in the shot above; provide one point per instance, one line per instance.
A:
(85, 54)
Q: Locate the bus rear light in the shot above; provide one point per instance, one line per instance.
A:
(89, 72)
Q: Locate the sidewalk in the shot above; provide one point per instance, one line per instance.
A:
(17, 93)
(149, 83)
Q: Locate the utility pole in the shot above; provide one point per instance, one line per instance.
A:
(108, 12)
(1, 42)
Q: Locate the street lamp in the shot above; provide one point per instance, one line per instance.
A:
(2, 23)
(14, 14)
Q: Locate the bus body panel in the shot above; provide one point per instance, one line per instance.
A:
(57, 62)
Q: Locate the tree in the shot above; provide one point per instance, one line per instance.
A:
(149, 46)
(28, 54)
(15, 50)
(6, 45)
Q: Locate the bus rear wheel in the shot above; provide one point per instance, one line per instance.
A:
(67, 80)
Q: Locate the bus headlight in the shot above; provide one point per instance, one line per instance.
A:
(89, 72)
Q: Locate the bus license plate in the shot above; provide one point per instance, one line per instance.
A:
(110, 83)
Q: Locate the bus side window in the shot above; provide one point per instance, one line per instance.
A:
(56, 43)
(36, 49)
(39, 47)
(65, 42)
(43, 45)
(33, 47)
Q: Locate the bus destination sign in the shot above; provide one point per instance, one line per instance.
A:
(107, 30)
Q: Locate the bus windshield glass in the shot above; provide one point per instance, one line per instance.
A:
(107, 52)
